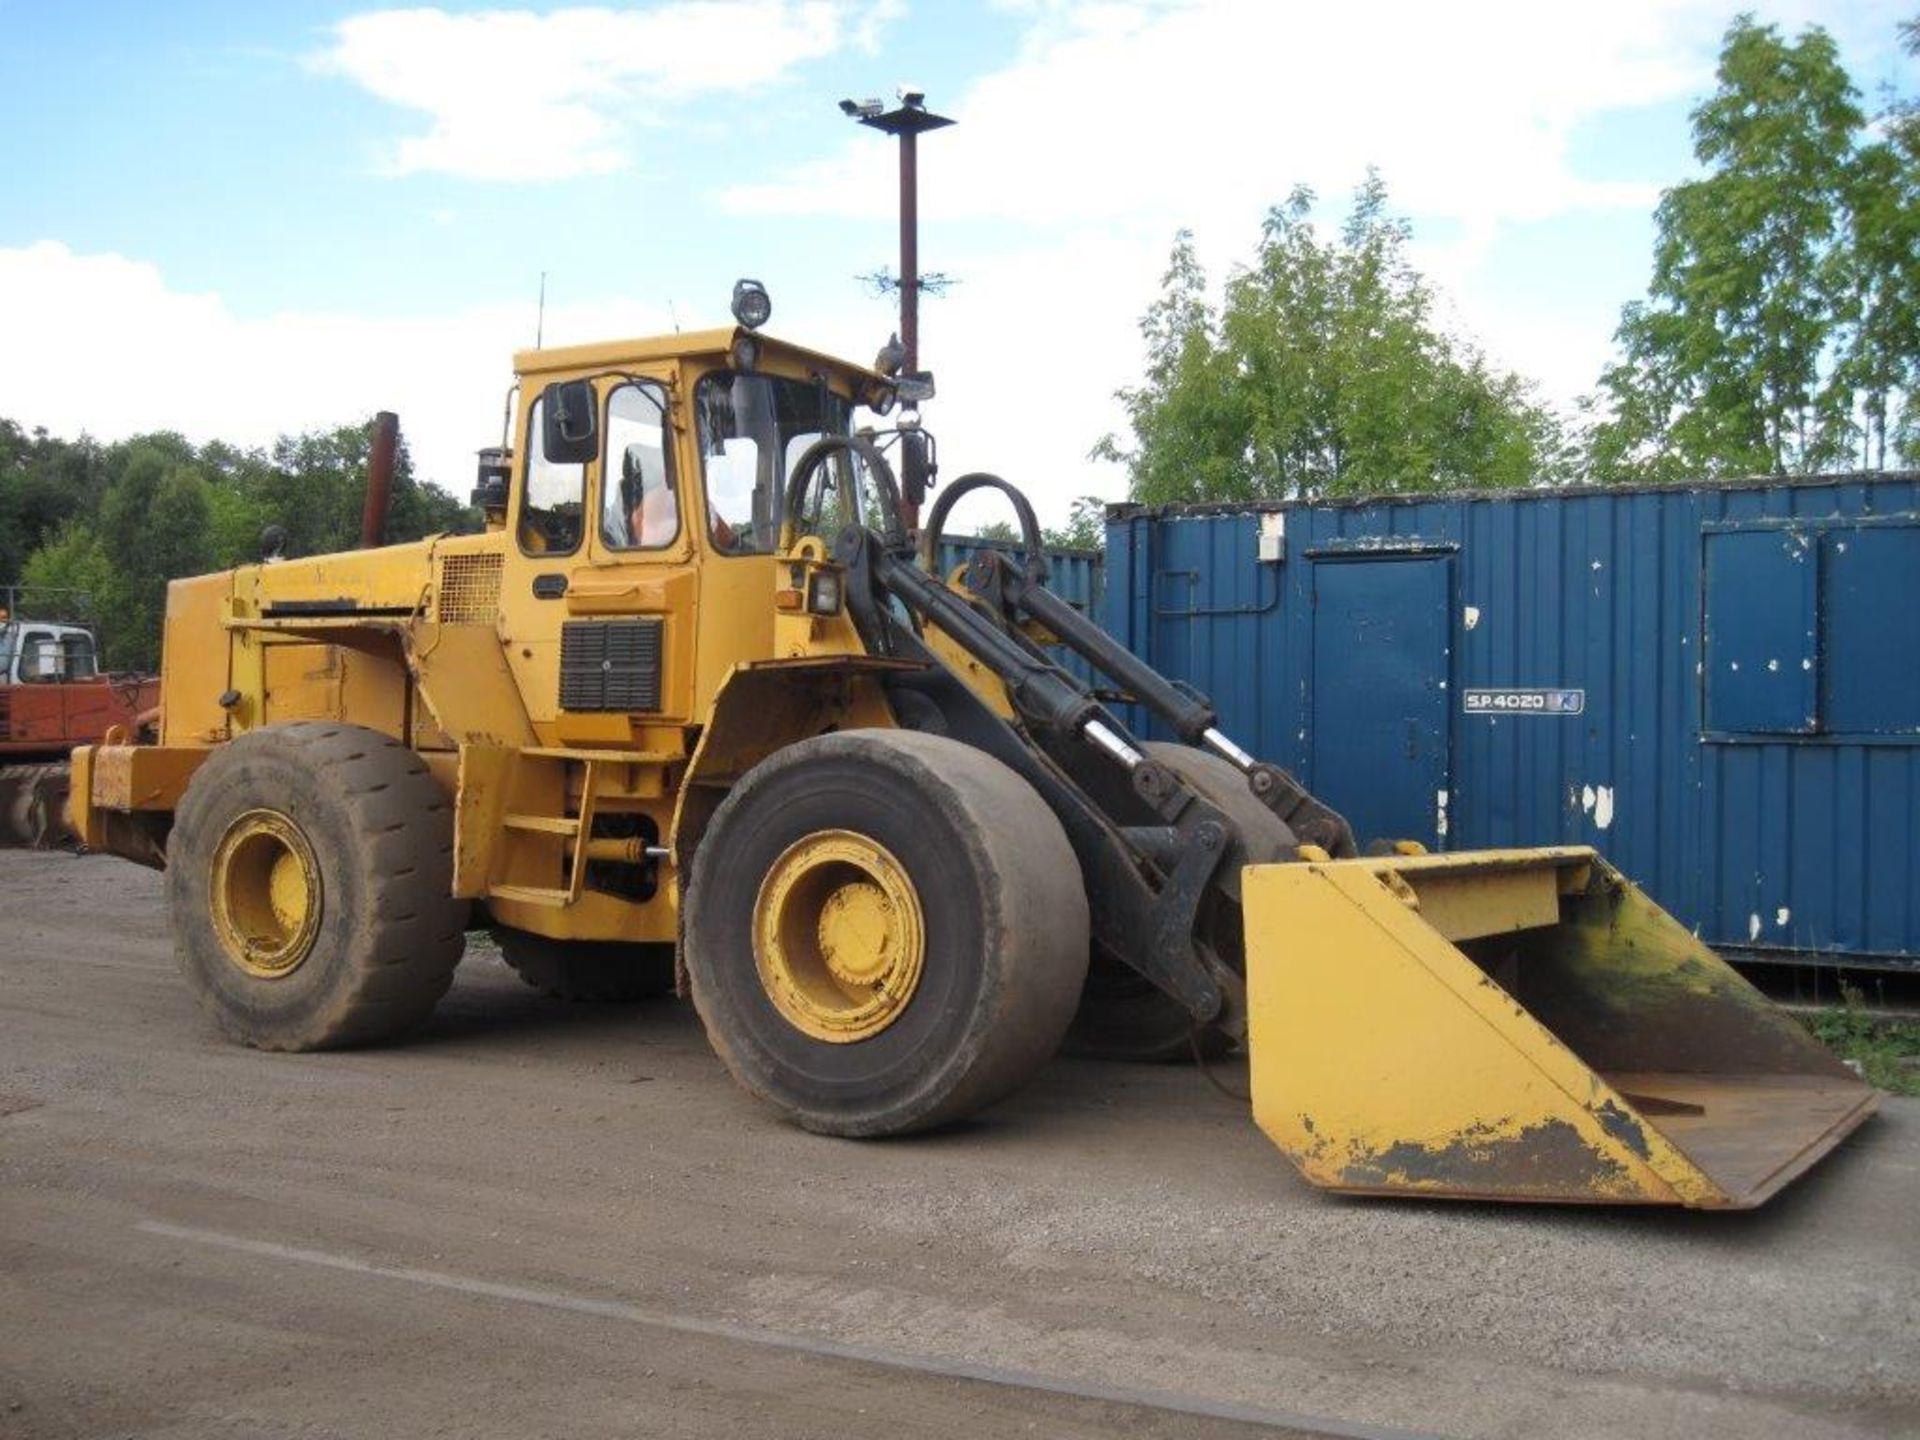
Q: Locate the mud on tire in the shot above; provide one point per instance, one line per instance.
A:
(1005, 930)
(379, 830)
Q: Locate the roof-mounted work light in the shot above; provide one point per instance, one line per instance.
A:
(752, 306)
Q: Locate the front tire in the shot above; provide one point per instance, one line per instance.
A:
(886, 931)
(310, 879)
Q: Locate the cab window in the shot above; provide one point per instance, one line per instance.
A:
(555, 499)
(41, 658)
(77, 660)
(752, 429)
(638, 507)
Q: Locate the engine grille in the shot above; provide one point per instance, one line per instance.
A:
(469, 589)
(610, 665)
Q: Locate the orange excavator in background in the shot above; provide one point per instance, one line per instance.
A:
(53, 697)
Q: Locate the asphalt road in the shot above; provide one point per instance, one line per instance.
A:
(538, 1219)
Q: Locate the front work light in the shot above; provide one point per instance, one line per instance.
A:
(752, 306)
(823, 592)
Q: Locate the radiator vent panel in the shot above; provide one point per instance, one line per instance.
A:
(610, 665)
(469, 590)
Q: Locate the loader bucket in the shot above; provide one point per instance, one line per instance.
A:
(1521, 1025)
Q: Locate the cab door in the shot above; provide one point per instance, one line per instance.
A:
(626, 645)
(600, 582)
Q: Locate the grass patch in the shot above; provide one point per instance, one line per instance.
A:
(1888, 1049)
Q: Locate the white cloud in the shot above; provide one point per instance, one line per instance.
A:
(1109, 127)
(871, 27)
(1193, 111)
(185, 362)
(1115, 124)
(511, 95)
(1196, 111)
(1027, 349)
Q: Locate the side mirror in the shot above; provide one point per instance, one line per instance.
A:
(490, 486)
(917, 467)
(569, 424)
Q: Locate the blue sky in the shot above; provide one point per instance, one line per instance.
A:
(263, 217)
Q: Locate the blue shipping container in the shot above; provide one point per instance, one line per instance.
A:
(1716, 686)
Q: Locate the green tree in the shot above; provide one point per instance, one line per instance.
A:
(1879, 362)
(1086, 527)
(1323, 372)
(153, 528)
(44, 482)
(71, 564)
(119, 522)
(997, 532)
(1779, 333)
(316, 487)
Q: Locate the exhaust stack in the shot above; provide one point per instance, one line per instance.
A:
(386, 444)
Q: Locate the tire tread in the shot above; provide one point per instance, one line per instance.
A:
(411, 929)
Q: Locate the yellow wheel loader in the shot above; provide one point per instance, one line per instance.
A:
(695, 712)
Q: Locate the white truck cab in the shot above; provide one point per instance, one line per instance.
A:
(38, 652)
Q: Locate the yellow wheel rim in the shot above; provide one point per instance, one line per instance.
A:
(838, 937)
(265, 894)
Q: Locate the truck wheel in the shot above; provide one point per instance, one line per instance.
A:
(310, 878)
(886, 931)
(587, 969)
(33, 807)
(1122, 1015)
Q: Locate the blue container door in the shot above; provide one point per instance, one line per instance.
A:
(1379, 706)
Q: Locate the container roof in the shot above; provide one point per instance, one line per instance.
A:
(1123, 509)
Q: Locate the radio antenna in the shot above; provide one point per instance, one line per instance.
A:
(540, 316)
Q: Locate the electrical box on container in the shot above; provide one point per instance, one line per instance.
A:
(1272, 548)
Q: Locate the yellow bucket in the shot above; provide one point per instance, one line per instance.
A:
(1521, 1025)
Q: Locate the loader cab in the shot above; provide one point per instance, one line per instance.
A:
(646, 508)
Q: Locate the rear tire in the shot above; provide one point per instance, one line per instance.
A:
(886, 931)
(587, 969)
(1123, 1015)
(310, 878)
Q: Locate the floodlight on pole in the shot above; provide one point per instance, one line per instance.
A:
(907, 121)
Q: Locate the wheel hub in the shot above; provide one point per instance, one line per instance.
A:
(265, 894)
(838, 936)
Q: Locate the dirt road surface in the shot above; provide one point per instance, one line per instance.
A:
(538, 1219)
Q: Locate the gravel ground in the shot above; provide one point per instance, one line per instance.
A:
(1112, 1226)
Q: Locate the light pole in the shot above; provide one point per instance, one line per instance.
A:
(907, 120)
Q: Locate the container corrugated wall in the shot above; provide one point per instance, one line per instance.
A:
(1719, 687)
